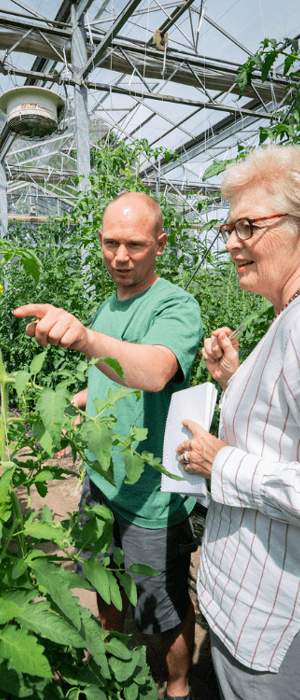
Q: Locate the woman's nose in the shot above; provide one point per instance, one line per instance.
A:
(233, 241)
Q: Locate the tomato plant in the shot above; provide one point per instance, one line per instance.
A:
(45, 634)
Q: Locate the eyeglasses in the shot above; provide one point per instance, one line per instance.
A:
(243, 227)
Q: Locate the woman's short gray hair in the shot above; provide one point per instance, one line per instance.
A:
(276, 169)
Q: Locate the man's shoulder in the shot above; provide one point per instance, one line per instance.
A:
(106, 303)
(171, 290)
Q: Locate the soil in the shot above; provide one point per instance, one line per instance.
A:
(62, 498)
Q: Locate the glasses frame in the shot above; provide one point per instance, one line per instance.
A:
(225, 230)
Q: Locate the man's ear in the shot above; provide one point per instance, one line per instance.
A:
(100, 237)
(161, 242)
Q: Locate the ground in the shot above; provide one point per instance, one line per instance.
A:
(62, 498)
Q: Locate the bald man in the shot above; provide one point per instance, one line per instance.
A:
(153, 329)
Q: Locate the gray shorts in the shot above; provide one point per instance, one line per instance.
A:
(237, 682)
(163, 600)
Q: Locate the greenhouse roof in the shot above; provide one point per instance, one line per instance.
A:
(155, 69)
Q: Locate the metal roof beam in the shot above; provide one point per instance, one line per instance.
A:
(22, 24)
(224, 129)
(174, 16)
(109, 36)
(182, 67)
(161, 97)
(228, 36)
(63, 15)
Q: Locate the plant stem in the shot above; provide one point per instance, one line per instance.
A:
(4, 412)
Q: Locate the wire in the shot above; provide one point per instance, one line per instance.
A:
(204, 256)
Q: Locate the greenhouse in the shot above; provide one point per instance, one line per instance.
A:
(149, 349)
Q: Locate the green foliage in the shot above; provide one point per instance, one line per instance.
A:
(28, 259)
(44, 631)
(73, 275)
(285, 125)
(61, 283)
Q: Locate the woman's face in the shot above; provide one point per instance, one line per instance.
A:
(269, 261)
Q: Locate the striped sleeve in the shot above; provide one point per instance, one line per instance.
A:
(243, 480)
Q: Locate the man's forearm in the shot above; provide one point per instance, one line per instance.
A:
(146, 367)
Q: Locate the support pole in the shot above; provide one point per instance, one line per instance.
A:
(3, 202)
(79, 60)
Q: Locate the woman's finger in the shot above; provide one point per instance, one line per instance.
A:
(182, 447)
(194, 427)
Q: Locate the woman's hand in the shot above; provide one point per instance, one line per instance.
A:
(197, 454)
(221, 356)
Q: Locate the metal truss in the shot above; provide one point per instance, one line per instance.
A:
(169, 57)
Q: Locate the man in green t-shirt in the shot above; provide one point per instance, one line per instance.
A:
(153, 329)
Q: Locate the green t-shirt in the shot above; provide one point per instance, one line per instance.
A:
(163, 314)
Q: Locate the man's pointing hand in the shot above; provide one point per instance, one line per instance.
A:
(54, 326)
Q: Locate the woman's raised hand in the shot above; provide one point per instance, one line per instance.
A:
(221, 355)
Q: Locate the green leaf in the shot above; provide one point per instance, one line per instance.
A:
(114, 364)
(31, 264)
(155, 462)
(117, 648)
(74, 694)
(143, 569)
(13, 683)
(267, 64)
(51, 406)
(131, 692)
(129, 585)
(139, 434)
(93, 636)
(134, 466)
(24, 652)
(77, 675)
(116, 598)
(11, 603)
(288, 62)
(99, 441)
(28, 259)
(47, 623)
(52, 580)
(37, 363)
(46, 443)
(215, 168)
(111, 362)
(45, 531)
(18, 569)
(5, 491)
(98, 576)
(21, 380)
(123, 670)
(92, 692)
(114, 395)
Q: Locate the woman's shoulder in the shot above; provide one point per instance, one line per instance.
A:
(287, 323)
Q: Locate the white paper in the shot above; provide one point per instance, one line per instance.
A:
(195, 403)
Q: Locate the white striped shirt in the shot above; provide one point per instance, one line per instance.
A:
(249, 581)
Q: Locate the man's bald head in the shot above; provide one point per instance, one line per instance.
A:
(136, 203)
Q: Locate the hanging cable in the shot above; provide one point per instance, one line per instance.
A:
(204, 256)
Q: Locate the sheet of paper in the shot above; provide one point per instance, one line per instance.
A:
(195, 403)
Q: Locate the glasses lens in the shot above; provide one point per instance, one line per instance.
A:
(243, 228)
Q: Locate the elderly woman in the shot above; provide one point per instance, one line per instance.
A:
(249, 583)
